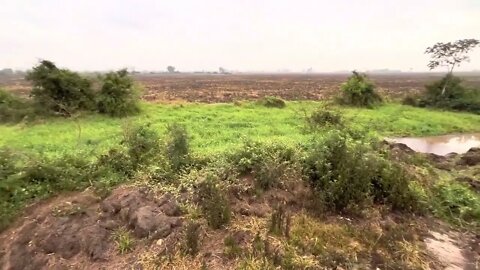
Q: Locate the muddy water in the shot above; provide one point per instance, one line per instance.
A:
(442, 145)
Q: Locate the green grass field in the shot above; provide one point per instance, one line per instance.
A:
(216, 127)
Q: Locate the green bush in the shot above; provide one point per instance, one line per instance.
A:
(324, 117)
(13, 108)
(143, 145)
(232, 248)
(455, 96)
(177, 146)
(214, 204)
(346, 172)
(270, 163)
(118, 95)
(31, 178)
(116, 160)
(191, 241)
(7, 163)
(60, 91)
(456, 203)
(274, 102)
(411, 101)
(358, 90)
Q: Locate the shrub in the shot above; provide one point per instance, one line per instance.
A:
(274, 102)
(177, 146)
(270, 163)
(251, 155)
(191, 244)
(411, 101)
(13, 108)
(456, 202)
(345, 172)
(66, 173)
(324, 117)
(118, 95)
(7, 163)
(359, 91)
(455, 97)
(280, 222)
(117, 161)
(213, 203)
(143, 145)
(60, 91)
(232, 248)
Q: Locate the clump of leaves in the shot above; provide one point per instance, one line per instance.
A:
(449, 93)
(273, 102)
(214, 204)
(13, 108)
(118, 95)
(124, 240)
(324, 117)
(280, 221)
(191, 244)
(60, 91)
(269, 163)
(143, 145)
(456, 203)
(232, 249)
(177, 146)
(411, 100)
(346, 172)
(359, 91)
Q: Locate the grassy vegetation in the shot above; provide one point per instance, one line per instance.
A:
(214, 128)
(212, 153)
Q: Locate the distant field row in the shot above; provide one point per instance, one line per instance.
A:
(228, 88)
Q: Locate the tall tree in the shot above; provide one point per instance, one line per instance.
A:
(450, 55)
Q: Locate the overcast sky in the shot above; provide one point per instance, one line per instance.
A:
(247, 35)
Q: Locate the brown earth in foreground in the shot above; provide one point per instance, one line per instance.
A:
(227, 88)
(77, 231)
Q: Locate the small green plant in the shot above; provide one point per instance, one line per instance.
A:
(270, 172)
(7, 163)
(143, 145)
(116, 160)
(214, 204)
(232, 249)
(280, 222)
(274, 102)
(124, 240)
(191, 244)
(456, 202)
(60, 91)
(118, 95)
(324, 117)
(177, 146)
(359, 91)
(411, 100)
(13, 108)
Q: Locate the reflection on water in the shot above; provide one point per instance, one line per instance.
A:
(442, 145)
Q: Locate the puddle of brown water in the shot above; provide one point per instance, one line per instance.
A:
(442, 145)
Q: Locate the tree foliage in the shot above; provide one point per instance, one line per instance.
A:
(60, 90)
(118, 95)
(450, 54)
(358, 90)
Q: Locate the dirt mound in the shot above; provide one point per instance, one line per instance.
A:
(471, 158)
(78, 232)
